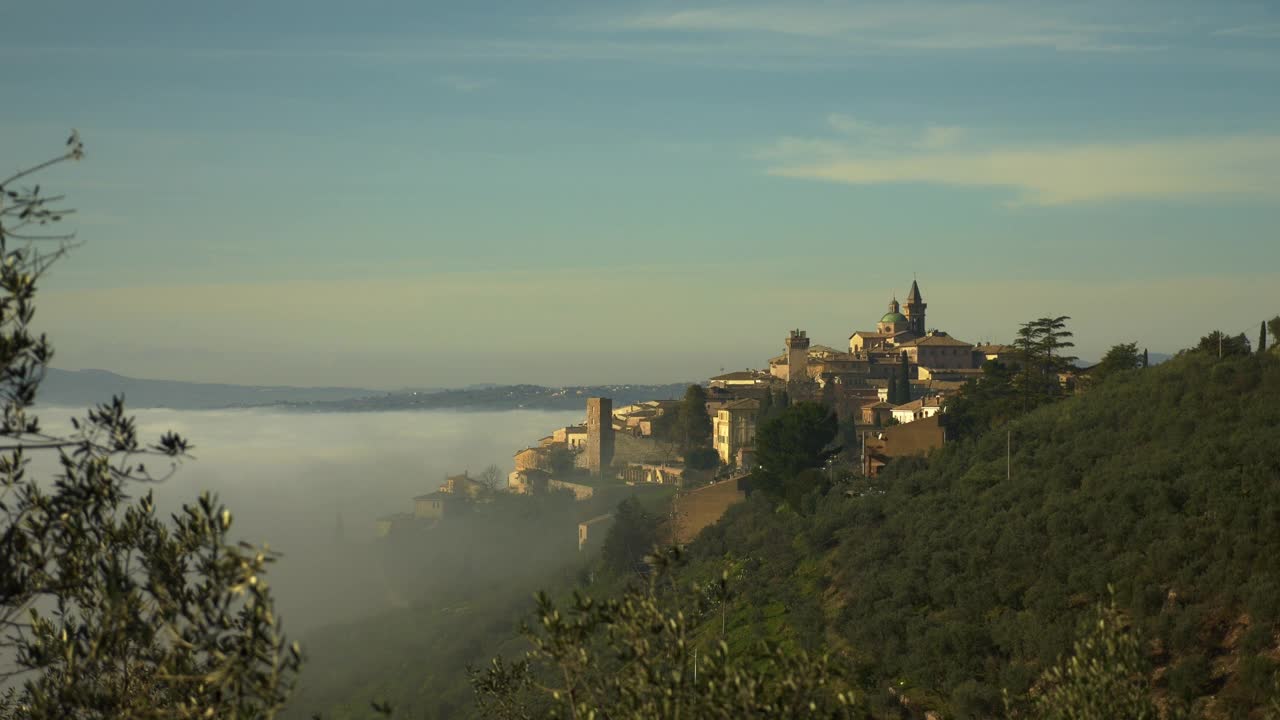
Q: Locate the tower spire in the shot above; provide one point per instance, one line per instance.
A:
(914, 309)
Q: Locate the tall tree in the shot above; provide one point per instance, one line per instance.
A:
(798, 439)
(694, 422)
(1273, 328)
(111, 609)
(632, 536)
(1220, 344)
(1120, 357)
(1262, 336)
(904, 382)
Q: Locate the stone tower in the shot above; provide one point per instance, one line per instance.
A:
(599, 435)
(915, 310)
(797, 356)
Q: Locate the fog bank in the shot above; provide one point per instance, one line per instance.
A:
(300, 481)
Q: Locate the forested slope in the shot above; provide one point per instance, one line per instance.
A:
(951, 581)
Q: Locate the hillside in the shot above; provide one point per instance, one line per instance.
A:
(944, 583)
(951, 582)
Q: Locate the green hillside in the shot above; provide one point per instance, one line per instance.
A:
(952, 582)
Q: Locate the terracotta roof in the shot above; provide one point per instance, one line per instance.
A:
(743, 404)
(740, 375)
(918, 404)
(935, 341)
(437, 495)
(877, 405)
(822, 349)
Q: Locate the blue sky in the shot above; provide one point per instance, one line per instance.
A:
(413, 193)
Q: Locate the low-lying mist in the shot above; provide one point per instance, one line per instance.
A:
(311, 485)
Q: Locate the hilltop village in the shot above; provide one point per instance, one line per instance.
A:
(887, 390)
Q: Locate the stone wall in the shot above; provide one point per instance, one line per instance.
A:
(699, 508)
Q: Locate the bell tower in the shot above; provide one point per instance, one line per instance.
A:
(914, 310)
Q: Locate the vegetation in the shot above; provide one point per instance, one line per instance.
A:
(1119, 358)
(633, 536)
(1105, 677)
(693, 424)
(111, 610)
(954, 583)
(1220, 344)
(796, 440)
(636, 656)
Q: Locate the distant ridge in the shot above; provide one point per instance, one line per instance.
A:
(83, 388)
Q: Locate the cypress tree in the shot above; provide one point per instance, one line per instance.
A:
(904, 388)
(766, 407)
(1262, 337)
(1145, 360)
(892, 397)
(784, 401)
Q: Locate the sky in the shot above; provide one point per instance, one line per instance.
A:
(393, 194)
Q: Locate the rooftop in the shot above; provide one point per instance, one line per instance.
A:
(935, 339)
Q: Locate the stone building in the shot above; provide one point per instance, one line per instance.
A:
(734, 427)
(591, 532)
(696, 509)
(599, 435)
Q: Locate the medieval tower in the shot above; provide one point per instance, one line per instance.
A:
(915, 310)
(797, 356)
(599, 435)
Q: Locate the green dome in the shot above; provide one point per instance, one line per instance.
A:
(893, 317)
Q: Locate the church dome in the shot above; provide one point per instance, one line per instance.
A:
(893, 317)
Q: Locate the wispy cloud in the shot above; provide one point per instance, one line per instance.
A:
(465, 83)
(1246, 166)
(880, 27)
(1266, 31)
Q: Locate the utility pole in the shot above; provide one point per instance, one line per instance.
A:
(863, 460)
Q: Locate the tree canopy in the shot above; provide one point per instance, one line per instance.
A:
(693, 425)
(796, 439)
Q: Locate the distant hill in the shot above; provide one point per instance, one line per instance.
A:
(498, 397)
(82, 388)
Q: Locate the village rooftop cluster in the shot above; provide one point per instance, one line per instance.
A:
(890, 386)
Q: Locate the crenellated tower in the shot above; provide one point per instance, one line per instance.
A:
(797, 356)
